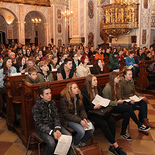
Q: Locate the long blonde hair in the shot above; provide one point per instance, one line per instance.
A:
(67, 91)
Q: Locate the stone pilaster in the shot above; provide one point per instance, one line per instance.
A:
(77, 21)
(144, 31)
(46, 33)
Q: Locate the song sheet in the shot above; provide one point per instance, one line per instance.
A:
(100, 100)
(63, 145)
(90, 126)
(136, 98)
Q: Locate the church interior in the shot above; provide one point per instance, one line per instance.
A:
(101, 24)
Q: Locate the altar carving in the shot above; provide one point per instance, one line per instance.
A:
(120, 18)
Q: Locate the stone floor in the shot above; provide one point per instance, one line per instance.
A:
(10, 143)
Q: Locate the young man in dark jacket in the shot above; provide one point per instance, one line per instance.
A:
(46, 119)
(66, 70)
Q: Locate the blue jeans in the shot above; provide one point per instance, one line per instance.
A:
(81, 134)
(50, 141)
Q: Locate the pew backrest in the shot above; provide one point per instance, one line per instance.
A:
(29, 94)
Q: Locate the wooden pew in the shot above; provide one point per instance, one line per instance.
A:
(13, 96)
(29, 95)
(142, 81)
(122, 64)
(106, 63)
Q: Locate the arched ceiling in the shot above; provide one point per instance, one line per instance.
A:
(8, 16)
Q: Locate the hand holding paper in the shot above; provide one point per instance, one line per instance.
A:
(101, 101)
(90, 126)
(136, 98)
(63, 145)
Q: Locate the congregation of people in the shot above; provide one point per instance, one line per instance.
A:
(75, 104)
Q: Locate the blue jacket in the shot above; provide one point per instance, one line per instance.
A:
(130, 61)
(2, 75)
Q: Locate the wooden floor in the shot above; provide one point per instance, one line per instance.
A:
(10, 143)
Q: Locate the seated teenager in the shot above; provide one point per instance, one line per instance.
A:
(44, 75)
(53, 63)
(79, 53)
(6, 69)
(107, 52)
(97, 68)
(40, 54)
(86, 51)
(113, 62)
(76, 61)
(107, 125)
(46, 119)
(83, 69)
(28, 53)
(128, 90)
(21, 64)
(64, 56)
(99, 55)
(91, 51)
(73, 113)
(31, 63)
(140, 57)
(32, 75)
(112, 92)
(148, 55)
(120, 56)
(66, 70)
(130, 63)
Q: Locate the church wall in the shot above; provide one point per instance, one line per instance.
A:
(59, 26)
(20, 11)
(3, 26)
(90, 24)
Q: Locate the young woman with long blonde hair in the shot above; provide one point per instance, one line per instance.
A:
(73, 113)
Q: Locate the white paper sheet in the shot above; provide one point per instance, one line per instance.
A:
(100, 100)
(116, 70)
(90, 126)
(130, 67)
(136, 98)
(63, 145)
(54, 69)
(127, 100)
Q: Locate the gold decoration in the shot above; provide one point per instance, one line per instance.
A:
(120, 18)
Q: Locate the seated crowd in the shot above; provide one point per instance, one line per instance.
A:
(76, 104)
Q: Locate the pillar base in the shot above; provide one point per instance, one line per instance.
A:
(76, 40)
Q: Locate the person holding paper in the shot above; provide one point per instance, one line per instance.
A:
(89, 91)
(46, 119)
(112, 92)
(73, 114)
(128, 90)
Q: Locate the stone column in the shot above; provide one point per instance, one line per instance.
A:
(21, 25)
(9, 32)
(21, 32)
(76, 21)
(144, 31)
(46, 33)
